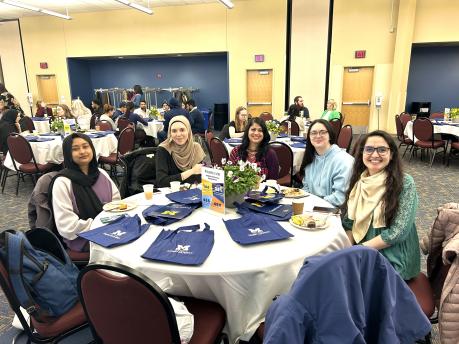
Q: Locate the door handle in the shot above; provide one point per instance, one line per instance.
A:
(368, 102)
(259, 103)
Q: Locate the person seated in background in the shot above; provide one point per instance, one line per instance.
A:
(164, 108)
(237, 127)
(63, 111)
(96, 107)
(293, 116)
(81, 113)
(80, 191)
(142, 110)
(108, 114)
(43, 109)
(326, 167)
(196, 117)
(138, 96)
(133, 117)
(9, 123)
(179, 158)
(297, 108)
(3, 108)
(330, 113)
(120, 111)
(10, 101)
(255, 149)
(176, 110)
(381, 204)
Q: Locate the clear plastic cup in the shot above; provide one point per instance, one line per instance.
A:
(148, 191)
(175, 186)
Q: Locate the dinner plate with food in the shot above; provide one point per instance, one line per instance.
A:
(294, 193)
(309, 221)
(119, 206)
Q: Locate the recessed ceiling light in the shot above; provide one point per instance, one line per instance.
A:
(121, 57)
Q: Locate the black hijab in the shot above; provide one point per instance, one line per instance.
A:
(10, 116)
(89, 205)
(7, 126)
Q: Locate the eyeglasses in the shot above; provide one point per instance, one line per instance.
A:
(318, 133)
(381, 150)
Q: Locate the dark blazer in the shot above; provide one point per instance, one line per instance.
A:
(197, 121)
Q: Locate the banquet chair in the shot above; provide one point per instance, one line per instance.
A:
(50, 330)
(125, 145)
(336, 126)
(423, 130)
(404, 140)
(294, 127)
(405, 117)
(285, 158)
(224, 133)
(122, 124)
(208, 136)
(454, 149)
(266, 116)
(27, 123)
(370, 303)
(21, 152)
(92, 122)
(345, 137)
(210, 125)
(218, 151)
(104, 125)
(124, 306)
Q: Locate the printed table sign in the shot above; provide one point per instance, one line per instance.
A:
(213, 189)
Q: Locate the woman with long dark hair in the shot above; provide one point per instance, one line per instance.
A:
(236, 128)
(80, 190)
(255, 149)
(138, 96)
(326, 167)
(133, 117)
(9, 123)
(382, 203)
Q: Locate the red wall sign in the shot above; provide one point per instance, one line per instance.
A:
(44, 65)
(360, 54)
(259, 58)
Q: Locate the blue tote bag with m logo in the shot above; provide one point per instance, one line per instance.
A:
(186, 245)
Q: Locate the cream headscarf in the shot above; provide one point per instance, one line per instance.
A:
(365, 203)
(187, 155)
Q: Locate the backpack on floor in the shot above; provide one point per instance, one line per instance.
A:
(43, 277)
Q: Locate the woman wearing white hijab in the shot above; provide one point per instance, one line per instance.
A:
(179, 158)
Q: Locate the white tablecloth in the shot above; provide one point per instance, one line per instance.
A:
(298, 153)
(51, 151)
(438, 129)
(152, 129)
(242, 279)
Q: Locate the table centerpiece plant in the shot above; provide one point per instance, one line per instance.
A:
(239, 179)
(454, 115)
(57, 125)
(154, 113)
(273, 129)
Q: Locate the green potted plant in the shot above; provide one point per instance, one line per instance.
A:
(273, 128)
(154, 113)
(239, 179)
(454, 114)
(57, 125)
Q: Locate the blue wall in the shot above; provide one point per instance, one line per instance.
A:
(208, 73)
(434, 77)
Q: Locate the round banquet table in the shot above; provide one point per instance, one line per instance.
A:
(441, 128)
(51, 151)
(242, 279)
(152, 128)
(41, 124)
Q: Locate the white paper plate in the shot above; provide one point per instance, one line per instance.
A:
(114, 206)
(310, 228)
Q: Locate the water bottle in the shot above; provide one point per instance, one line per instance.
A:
(289, 128)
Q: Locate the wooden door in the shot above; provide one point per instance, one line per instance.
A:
(47, 89)
(357, 90)
(259, 91)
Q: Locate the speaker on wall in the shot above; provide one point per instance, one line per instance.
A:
(220, 115)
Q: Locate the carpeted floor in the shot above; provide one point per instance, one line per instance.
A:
(435, 187)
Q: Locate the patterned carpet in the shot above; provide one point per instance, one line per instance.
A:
(435, 187)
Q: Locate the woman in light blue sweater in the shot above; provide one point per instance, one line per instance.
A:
(326, 167)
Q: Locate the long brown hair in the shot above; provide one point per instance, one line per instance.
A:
(240, 125)
(394, 181)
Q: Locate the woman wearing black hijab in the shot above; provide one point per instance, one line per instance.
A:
(9, 123)
(80, 190)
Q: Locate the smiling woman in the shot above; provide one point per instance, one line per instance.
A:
(179, 158)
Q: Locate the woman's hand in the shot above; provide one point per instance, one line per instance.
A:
(196, 169)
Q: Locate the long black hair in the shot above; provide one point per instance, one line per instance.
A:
(310, 151)
(262, 146)
(394, 181)
(138, 89)
(3, 88)
(67, 151)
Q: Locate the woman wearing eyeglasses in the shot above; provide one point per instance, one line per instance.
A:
(326, 167)
(382, 203)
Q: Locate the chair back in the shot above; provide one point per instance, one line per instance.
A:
(266, 116)
(405, 117)
(437, 115)
(345, 137)
(104, 125)
(285, 158)
(399, 126)
(294, 127)
(27, 122)
(92, 122)
(224, 133)
(20, 149)
(336, 126)
(423, 129)
(122, 124)
(126, 141)
(125, 307)
(218, 151)
(209, 135)
(210, 125)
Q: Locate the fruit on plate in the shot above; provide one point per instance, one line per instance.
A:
(293, 192)
(122, 206)
(308, 221)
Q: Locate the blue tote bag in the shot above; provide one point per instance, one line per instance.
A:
(255, 228)
(186, 245)
(164, 215)
(246, 208)
(279, 212)
(192, 196)
(119, 232)
(264, 196)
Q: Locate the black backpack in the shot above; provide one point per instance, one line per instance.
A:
(140, 169)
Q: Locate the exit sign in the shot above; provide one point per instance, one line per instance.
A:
(360, 54)
(44, 65)
(259, 58)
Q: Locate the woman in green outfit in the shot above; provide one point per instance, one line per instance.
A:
(331, 112)
(382, 203)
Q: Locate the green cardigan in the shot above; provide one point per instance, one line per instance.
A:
(329, 115)
(403, 252)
